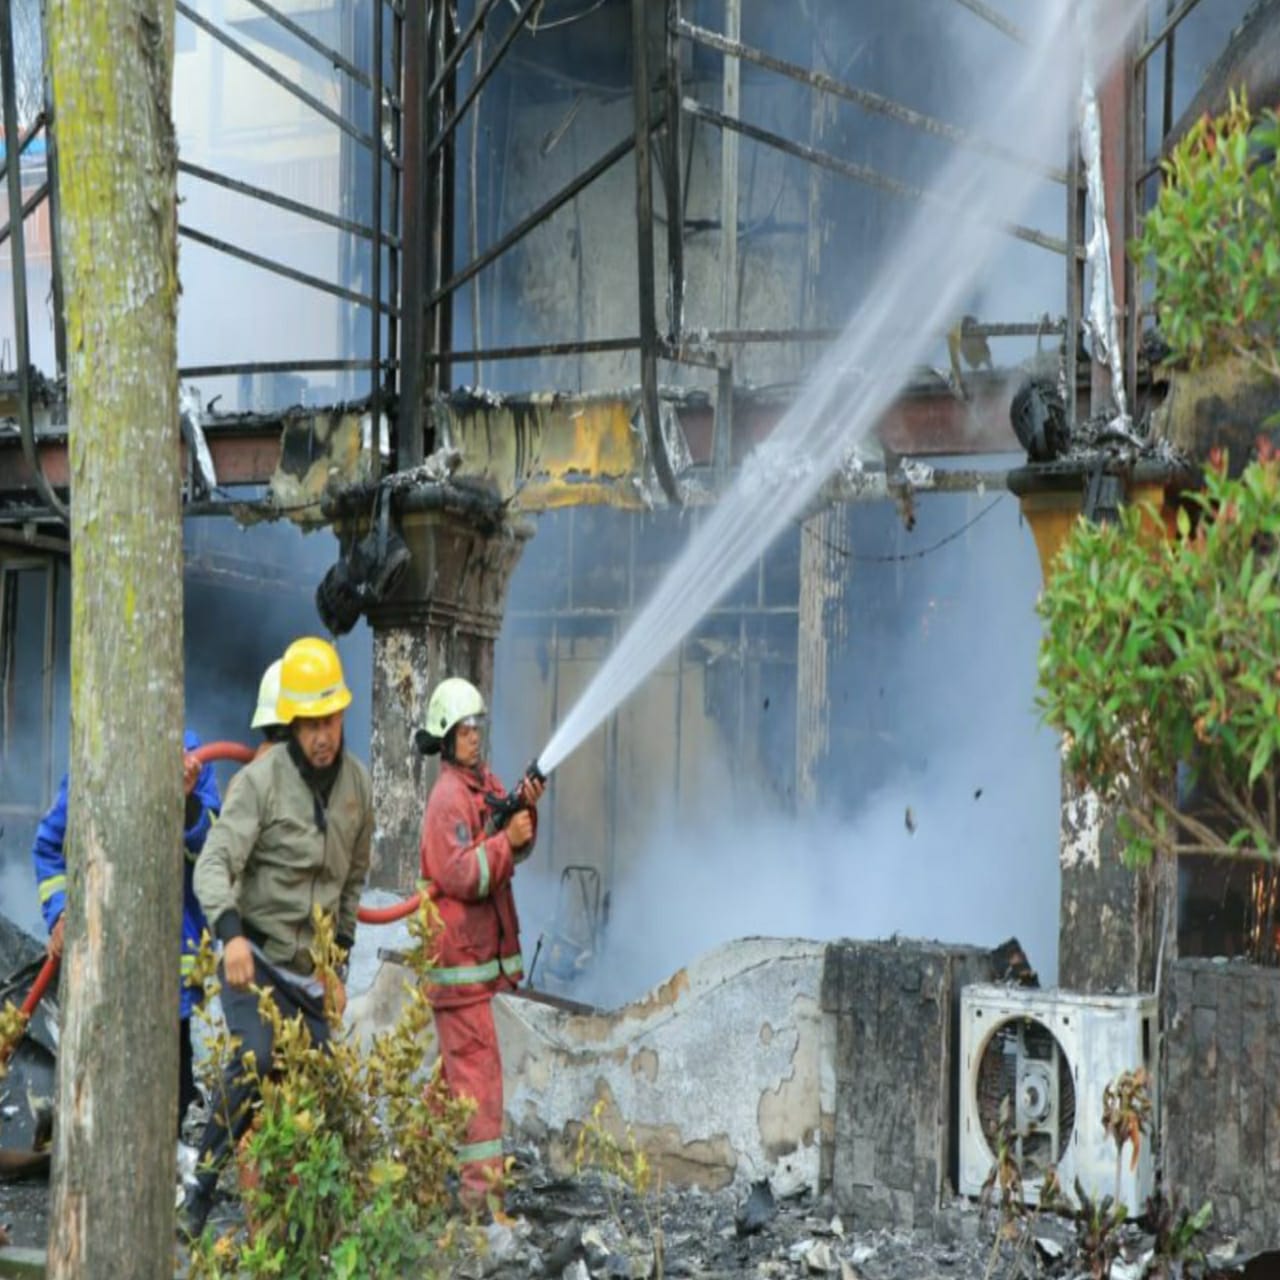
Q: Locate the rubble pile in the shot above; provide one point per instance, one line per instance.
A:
(591, 1227)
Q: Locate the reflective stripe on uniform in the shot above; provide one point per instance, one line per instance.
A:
(54, 884)
(309, 699)
(463, 975)
(472, 1152)
(512, 965)
(482, 858)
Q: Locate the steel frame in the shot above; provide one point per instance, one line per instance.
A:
(421, 102)
(425, 368)
(384, 240)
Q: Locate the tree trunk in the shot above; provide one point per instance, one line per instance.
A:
(113, 1214)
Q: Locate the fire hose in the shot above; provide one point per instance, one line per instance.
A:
(502, 810)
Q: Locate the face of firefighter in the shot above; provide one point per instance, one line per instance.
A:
(320, 738)
(468, 743)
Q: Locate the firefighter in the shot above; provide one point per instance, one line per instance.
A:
(295, 833)
(469, 870)
(265, 715)
(49, 855)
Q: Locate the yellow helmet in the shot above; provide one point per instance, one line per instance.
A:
(311, 683)
(265, 714)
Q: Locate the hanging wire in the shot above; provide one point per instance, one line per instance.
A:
(536, 25)
(848, 554)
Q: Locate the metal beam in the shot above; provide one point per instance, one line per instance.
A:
(375, 250)
(413, 328)
(393, 202)
(1172, 23)
(650, 407)
(730, 102)
(672, 177)
(331, 56)
(217, 179)
(482, 76)
(483, 9)
(18, 268)
(537, 350)
(860, 173)
(55, 208)
(877, 103)
(27, 138)
(532, 220)
(272, 366)
(33, 202)
(997, 20)
(276, 268)
(260, 64)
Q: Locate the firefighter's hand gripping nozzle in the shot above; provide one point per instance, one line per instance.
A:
(503, 808)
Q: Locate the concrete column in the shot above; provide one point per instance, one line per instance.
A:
(443, 621)
(823, 635)
(1116, 925)
(1112, 918)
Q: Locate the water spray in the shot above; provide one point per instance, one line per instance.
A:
(920, 289)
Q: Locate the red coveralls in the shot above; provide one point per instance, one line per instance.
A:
(470, 882)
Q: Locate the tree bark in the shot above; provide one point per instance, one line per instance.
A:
(112, 67)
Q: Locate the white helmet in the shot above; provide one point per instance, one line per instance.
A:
(265, 714)
(453, 701)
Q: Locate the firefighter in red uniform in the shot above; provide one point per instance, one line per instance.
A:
(469, 868)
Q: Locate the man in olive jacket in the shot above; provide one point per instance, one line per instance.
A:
(294, 834)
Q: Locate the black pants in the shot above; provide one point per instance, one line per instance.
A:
(232, 1110)
(186, 1071)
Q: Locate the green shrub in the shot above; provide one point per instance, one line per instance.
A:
(345, 1170)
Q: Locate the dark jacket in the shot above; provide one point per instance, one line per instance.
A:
(49, 855)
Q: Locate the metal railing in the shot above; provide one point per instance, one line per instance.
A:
(660, 110)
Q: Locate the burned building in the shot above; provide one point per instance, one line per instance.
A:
(529, 283)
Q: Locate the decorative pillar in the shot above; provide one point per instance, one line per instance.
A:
(442, 621)
(1112, 919)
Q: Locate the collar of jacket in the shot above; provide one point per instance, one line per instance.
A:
(477, 779)
(319, 780)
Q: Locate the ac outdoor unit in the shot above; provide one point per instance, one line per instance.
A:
(1051, 1054)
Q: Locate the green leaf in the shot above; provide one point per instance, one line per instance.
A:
(1261, 758)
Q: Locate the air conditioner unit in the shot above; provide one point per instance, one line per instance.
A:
(1051, 1054)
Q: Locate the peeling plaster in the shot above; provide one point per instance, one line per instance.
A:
(1082, 820)
(717, 1071)
(789, 1116)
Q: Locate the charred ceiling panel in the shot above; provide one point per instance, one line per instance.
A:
(549, 451)
(319, 453)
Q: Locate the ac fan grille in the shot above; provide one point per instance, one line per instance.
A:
(1011, 1046)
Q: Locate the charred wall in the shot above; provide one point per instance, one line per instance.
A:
(895, 1007)
(1221, 1121)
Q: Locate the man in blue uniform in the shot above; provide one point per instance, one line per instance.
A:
(202, 805)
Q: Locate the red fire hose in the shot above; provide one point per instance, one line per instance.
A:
(389, 915)
(48, 971)
(206, 754)
(223, 751)
(366, 915)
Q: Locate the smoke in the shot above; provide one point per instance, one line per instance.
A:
(932, 716)
(248, 593)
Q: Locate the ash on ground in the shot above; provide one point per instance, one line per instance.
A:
(591, 1227)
